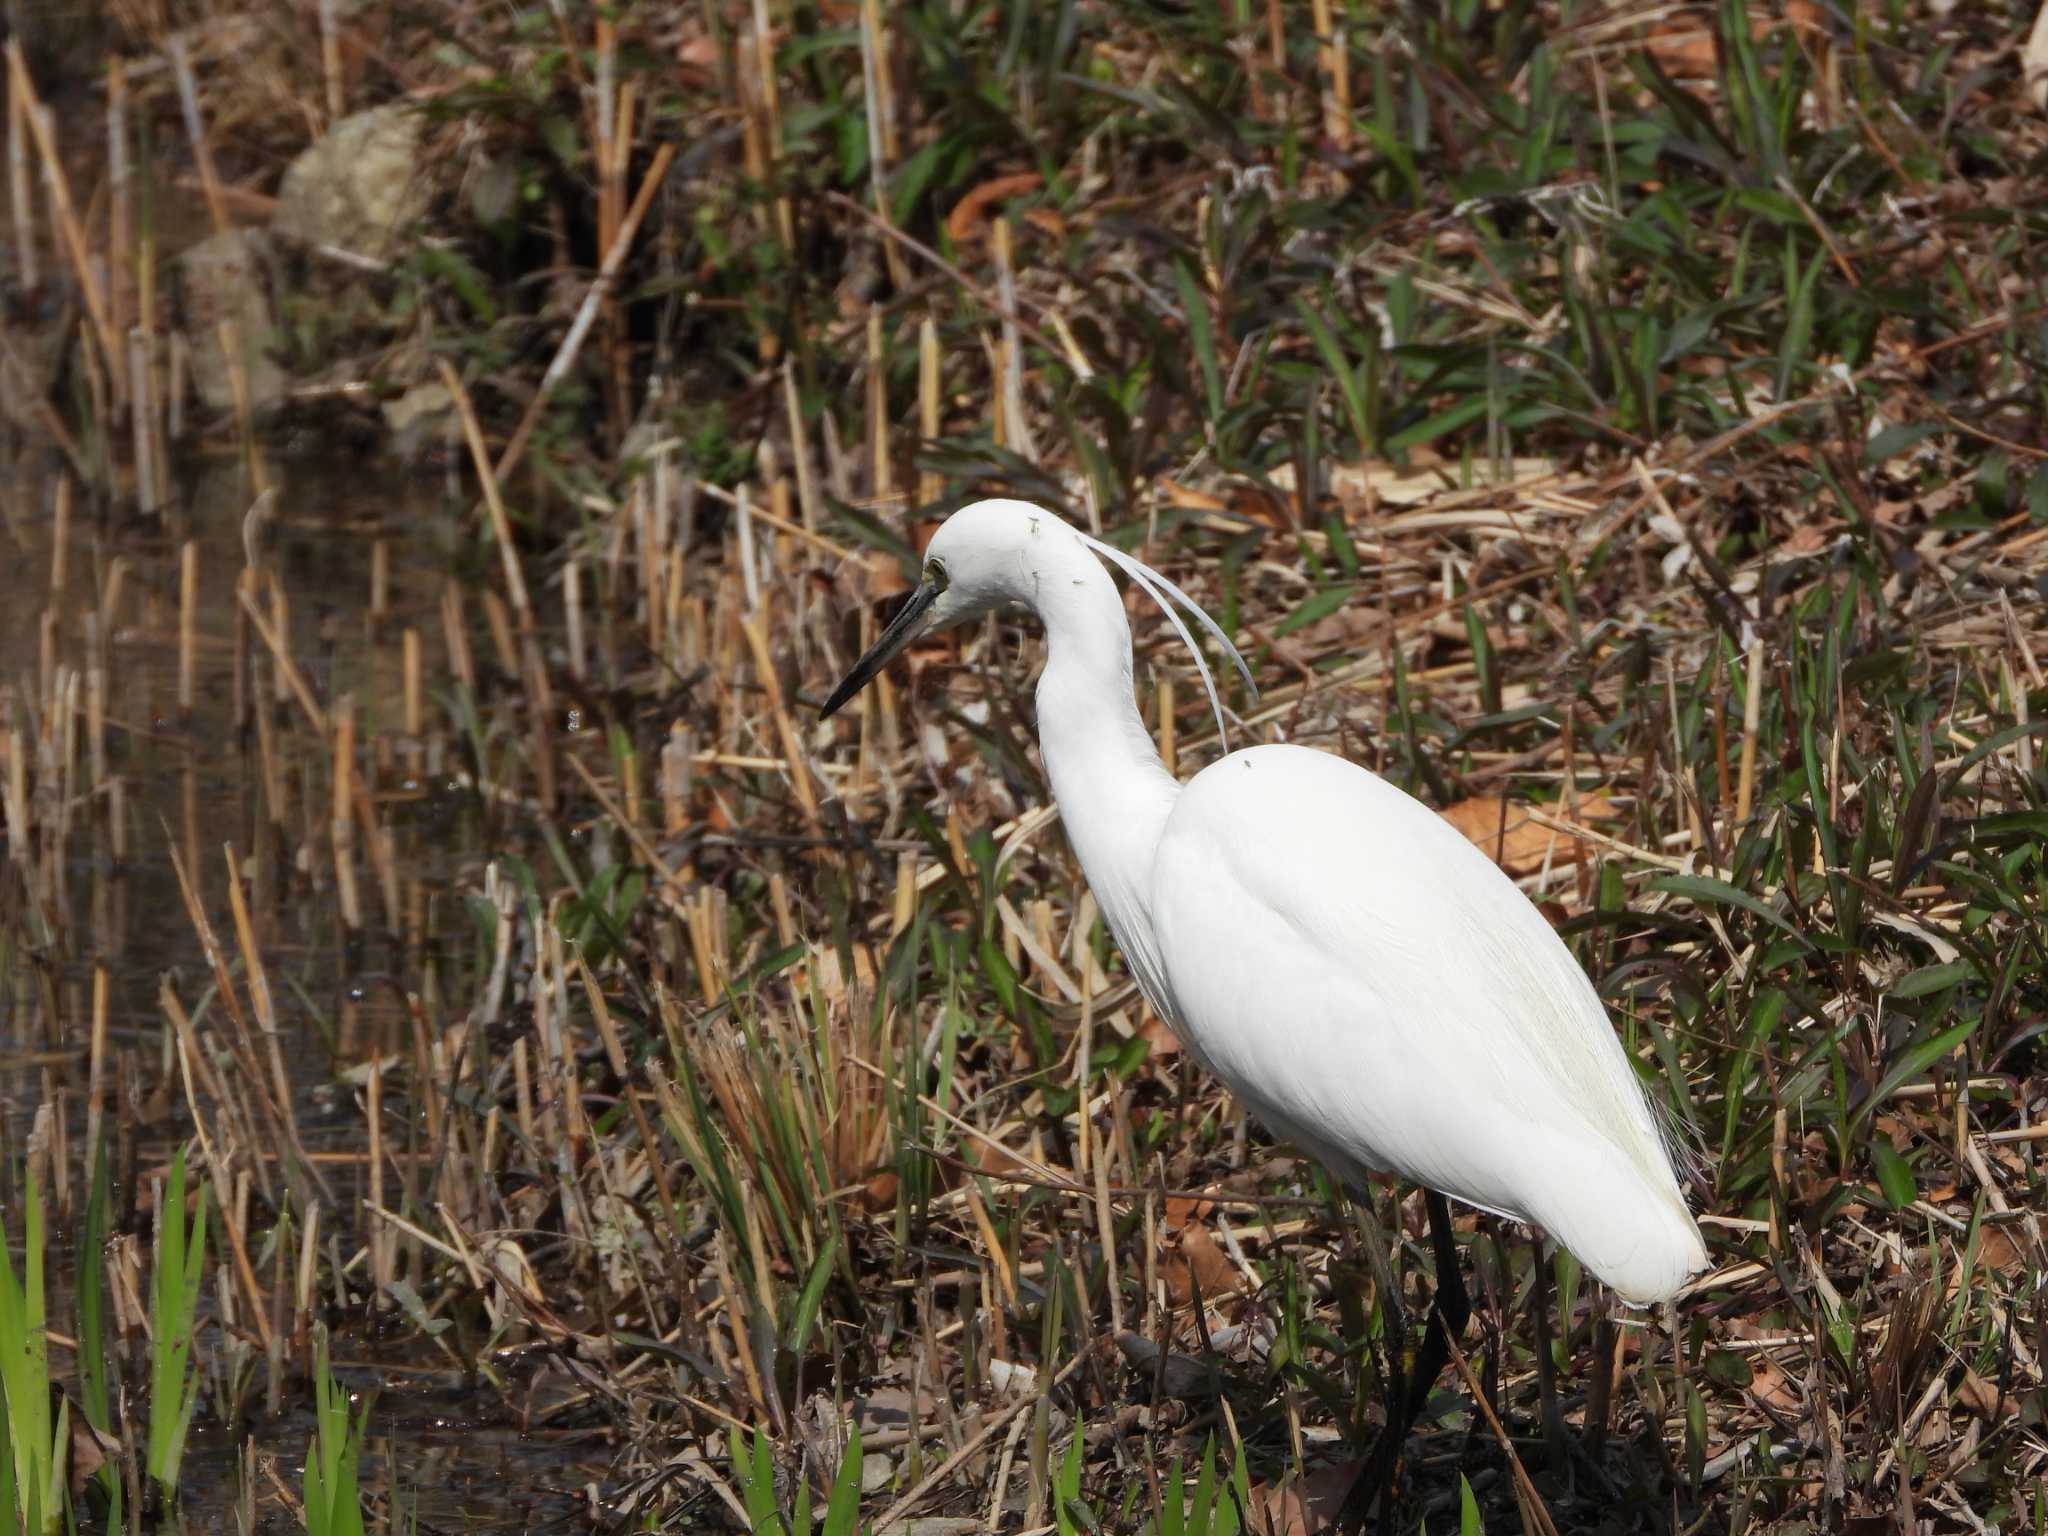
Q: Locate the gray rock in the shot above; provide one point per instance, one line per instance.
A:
(418, 417)
(358, 187)
(227, 277)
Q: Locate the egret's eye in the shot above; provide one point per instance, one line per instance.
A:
(935, 575)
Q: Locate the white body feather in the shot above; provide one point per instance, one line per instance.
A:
(1363, 978)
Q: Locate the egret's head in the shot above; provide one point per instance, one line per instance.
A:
(980, 559)
(991, 553)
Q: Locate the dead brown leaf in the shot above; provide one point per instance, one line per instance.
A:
(1515, 841)
(1773, 1389)
(1983, 1398)
(1190, 1256)
(971, 213)
(1998, 1251)
(1306, 1505)
(1159, 1038)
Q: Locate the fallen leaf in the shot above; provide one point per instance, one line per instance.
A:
(1998, 1251)
(965, 222)
(89, 1451)
(1983, 1399)
(1178, 495)
(1509, 836)
(1307, 1505)
(1160, 1040)
(1191, 1255)
(1182, 1209)
(1773, 1389)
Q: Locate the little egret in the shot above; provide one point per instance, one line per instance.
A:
(1366, 981)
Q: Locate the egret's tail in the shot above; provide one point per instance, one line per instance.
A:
(1623, 1217)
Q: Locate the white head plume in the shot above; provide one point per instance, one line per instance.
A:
(1166, 594)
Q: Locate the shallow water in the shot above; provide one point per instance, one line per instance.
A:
(107, 896)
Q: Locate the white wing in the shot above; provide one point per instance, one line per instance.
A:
(1376, 990)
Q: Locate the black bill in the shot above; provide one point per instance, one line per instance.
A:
(903, 629)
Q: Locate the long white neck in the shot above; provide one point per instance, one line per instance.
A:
(1114, 793)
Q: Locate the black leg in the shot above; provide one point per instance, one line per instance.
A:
(1448, 1313)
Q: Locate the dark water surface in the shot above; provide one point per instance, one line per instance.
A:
(195, 782)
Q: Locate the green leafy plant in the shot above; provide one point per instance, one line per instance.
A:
(754, 1471)
(32, 1460)
(334, 1501)
(173, 1314)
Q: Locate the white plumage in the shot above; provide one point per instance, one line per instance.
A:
(1364, 979)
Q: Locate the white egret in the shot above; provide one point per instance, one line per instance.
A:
(1368, 983)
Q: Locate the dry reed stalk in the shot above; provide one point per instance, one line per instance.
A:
(95, 705)
(1017, 426)
(1169, 751)
(522, 1084)
(27, 261)
(770, 97)
(1335, 58)
(412, 720)
(529, 668)
(190, 1052)
(240, 1043)
(306, 1288)
(244, 662)
(604, 102)
(264, 1004)
(710, 974)
(572, 612)
(1752, 716)
(455, 636)
(380, 581)
(16, 799)
(749, 564)
(800, 449)
(498, 620)
(676, 753)
(141, 421)
(838, 472)
(785, 726)
(188, 625)
(195, 132)
(1105, 1229)
(330, 62)
(341, 820)
(572, 343)
(120, 279)
(378, 1234)
(621, 351)
(293, 684)
(60, 541)
(270, 772)
(777, 515)
(881, 473)
(930, 485)
(58, 187)
(877, 97)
